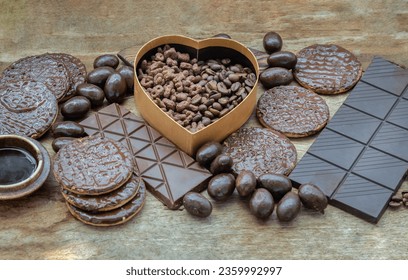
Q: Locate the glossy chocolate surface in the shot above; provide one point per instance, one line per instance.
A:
(361, 158)
(167, 172)
(293, 111)
(16, 165)
(93, 165)
(260, 150)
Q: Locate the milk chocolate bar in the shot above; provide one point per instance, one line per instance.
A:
(361, 158)
(168, 172)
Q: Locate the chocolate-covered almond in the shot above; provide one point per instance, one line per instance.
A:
(106, 60)
(94, 93)
(288, 207)
(208, 152)
(197, 205)
(275, 76)
(60, 142)
(115, 88)
(221, 164)
(283, 59)
(67, 129)
(221, 186)
(312, 197)
(99, 75)
(277, 185)
(245, 183)
(76, 107)
(272, 42)
(127, 73)
(261, 203)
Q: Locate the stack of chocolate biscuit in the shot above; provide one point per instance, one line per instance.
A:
(98, 181)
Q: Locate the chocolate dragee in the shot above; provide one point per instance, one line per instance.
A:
(168, 172)
(361, 157)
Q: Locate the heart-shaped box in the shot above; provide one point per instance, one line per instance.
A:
(211, 48)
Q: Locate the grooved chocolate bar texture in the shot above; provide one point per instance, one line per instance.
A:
(168, 172)
(361, 158)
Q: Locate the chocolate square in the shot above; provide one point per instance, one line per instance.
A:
(168, 172)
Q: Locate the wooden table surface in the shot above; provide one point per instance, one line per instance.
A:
(40, 226)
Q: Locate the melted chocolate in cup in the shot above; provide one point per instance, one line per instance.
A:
(16, 165)
(24, 166)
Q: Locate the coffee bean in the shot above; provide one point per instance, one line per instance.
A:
(222, 35)
(272, 42)
(288, 207)
(127, 73)
(275, 76)
(196, 99)
(277, 185)
(223, 101)
(222, 88)
(67, 129)
(235, 86)
(60, 142)
(106, 60)
(209, 114)
(221, 164)
(221, 186)
(261, 204)
(115, 88)
(99, 75)
(312, 197)
(202, 108)
(213, 111)
(215, 96)
(395, 204)
(227, 83)
(234, 77)
(76, 107)
(245, 183)
(283, 59)
(208, 152)
(206, 121)
(197, 205)
(224, 112)
(94, 93)
(217, 106)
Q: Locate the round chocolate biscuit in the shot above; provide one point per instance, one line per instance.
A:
(292, 110)
(26, 108)
(260, 150)
(93, 165)
(327, 69)
(41, 68)
(113, 217)
(108, 201)
(76, 69)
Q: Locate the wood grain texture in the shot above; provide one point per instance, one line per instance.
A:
(40, 226)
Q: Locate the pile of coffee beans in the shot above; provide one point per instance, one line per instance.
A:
(399, 200)
(194, 93)
(280, 62)
(106, 80)
(265, 193)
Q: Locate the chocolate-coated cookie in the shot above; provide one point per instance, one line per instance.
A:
(260, 150)
(292, 110)
(76, 70)
(327, 69)
(108, 201)
(26, 108)
(93, 165)
(113, 217)
(41, 68)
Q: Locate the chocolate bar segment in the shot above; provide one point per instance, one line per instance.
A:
(361, 158)
(168, 172)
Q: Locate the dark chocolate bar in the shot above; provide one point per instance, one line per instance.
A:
(361, 158)
(168, 172)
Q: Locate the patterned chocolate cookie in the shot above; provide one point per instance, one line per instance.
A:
(105, 202)
(93, 165)
(76, 69)
(26, 108)
(40, 68)
(293, 111)
(113, 217)
(327, 69)
(260, 150)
